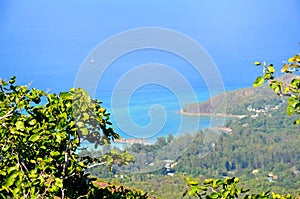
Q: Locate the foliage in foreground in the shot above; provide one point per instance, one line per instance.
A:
(40, 135)
(290, 89)
(227, 188)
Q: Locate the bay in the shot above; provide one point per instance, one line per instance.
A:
(154, 112)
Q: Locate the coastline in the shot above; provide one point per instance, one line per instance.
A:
(211, 114)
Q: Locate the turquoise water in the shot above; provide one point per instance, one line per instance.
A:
(155, 112)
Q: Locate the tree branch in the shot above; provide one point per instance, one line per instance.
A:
(94, 165)
(10, 113)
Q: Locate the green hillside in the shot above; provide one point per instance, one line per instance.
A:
(240, 101)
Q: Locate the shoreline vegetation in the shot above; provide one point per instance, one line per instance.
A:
(182, 112)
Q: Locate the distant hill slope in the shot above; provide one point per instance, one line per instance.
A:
(240, 101)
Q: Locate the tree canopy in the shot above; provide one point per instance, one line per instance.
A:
(40, 136)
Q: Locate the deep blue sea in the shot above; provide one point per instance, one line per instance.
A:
(149, 109)
(46, 43)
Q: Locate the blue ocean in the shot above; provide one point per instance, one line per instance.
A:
(45, 43)
(155, 112)
(150, 109)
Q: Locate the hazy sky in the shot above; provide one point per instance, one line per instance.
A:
(46, 41)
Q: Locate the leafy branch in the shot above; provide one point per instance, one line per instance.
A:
(225, 189)
(40, 134)
(289, 89)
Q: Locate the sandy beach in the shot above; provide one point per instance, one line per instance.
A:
(211, 114)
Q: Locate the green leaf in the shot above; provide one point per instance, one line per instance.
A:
(32, 122)
(297, 122)
(11, 178)
(219, 182)
(86, 116)
(236, 180)
(2, 173)
(12, 80)
(285, 68)
(225, 194)
(20, 125)
(84, 131)
(214, 185)
(48, 160)
(245, 190)
(292, 59)
(80, 124)
(58, 138)
(207, 181)
(292, 101)
(295, 83)
(202, 188)
(277, 89)
(193, 183)
(214, 195)
(34, 137)
(286, 89)
(258, 82)
(11, 169)
(193, 191)
(59, 182)
(54, 153)
(81, 164)
(290, 110)
(257, 63)
(271, 68)
(53, 188)
(267, 75)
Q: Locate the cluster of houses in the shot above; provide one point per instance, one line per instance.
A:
(169, 167)
(264, 110)
(270, 176)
